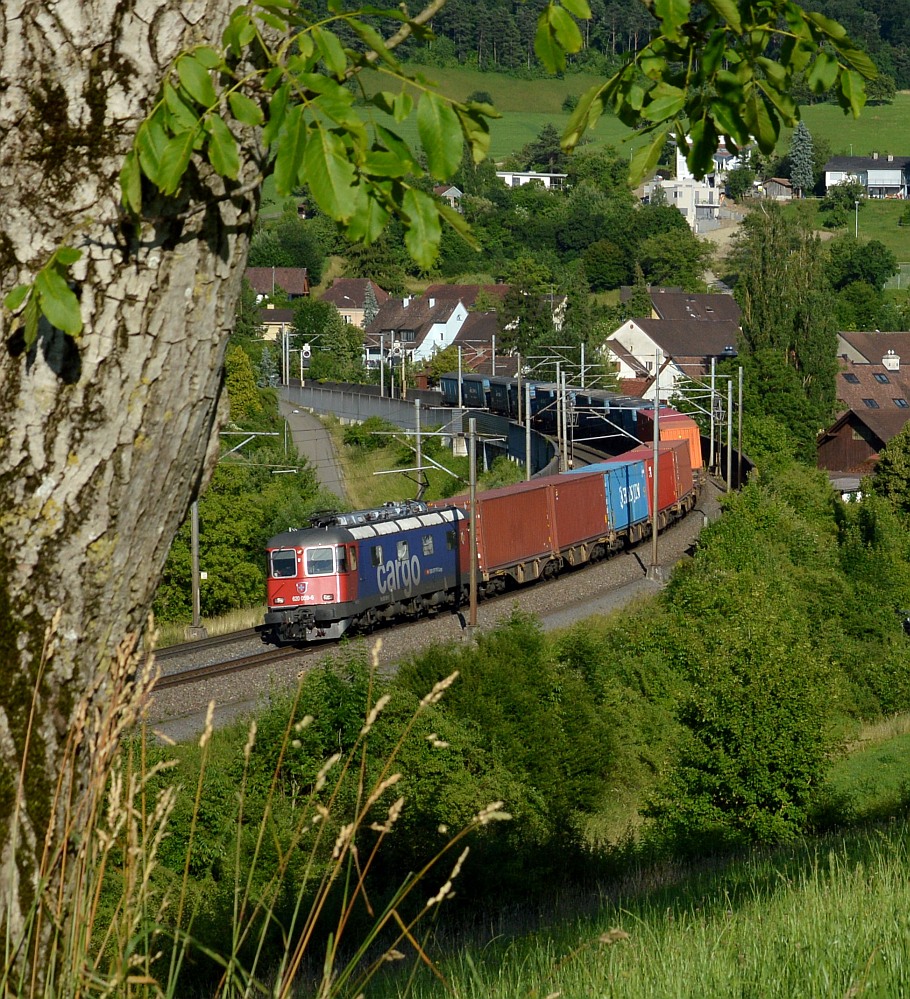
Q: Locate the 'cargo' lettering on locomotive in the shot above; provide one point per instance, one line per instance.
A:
(394, 575)
(629, 494)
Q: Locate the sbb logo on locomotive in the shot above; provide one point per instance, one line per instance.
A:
(398, 575)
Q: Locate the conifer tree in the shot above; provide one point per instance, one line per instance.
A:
(802, 175)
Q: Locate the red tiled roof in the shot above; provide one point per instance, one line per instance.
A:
(292, 280)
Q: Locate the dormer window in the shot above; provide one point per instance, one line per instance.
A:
(851, 378)
(882, 379)
(870, 404)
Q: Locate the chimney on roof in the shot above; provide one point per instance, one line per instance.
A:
(890, 157)
(891, 361)
(406, 301)
(432, 303)
(875, 156)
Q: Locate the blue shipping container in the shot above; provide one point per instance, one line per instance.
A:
(626, 488)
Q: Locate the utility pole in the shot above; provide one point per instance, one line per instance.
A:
(527, 429)
(196, 631)
(711, 407)
(472, 457)
(739, 436)
(582, 365)
(419, 448)
(560, 466)
(730, 435)
(493, 356)
(654, 570)
(381, 365)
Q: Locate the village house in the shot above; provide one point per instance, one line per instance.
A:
(884, 176)
(267, 281)
(873, 393)
(348, 295)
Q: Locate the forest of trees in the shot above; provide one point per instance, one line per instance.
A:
(499, 34)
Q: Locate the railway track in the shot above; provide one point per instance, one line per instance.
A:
(195, 674)
(203, 644)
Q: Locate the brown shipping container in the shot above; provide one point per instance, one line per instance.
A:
(674, 426)
(513, 523)
(674, 478)
(579, 510)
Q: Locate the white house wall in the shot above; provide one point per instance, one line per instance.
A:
(441, 335)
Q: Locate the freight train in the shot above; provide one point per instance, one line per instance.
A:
(350, 572)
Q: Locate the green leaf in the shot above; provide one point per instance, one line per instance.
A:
(729, 11)
(404, 105)
(151, 141)
(423, 231)
(368, 218)
(834, 30)
(852, 95)
(774, 71)
(58, 302)
(385, 164)
(131, 183)
(31, 316)
(672, 14)
(16, 297)
(174, 161)
(182, 116)
(66, 256)
(195, 80)
(568, 34)
(579, 8)
(329, 173)
(244, 109)
(476, 129)
(291, 144)
(729, 122)
(666, 102)
(395, 144)
(859, 61)
(209, 58)
(457, 221)
(762, 124)
(222, 148)
(277, 108)
(372, 39)
(331, 50)
(546, 45)
(823, 73)
(645, 158)
(587, 112)
(440, 135)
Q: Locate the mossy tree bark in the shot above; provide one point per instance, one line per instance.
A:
(104, 440)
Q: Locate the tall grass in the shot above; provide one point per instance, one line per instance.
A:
(826, 920)
(109, 921)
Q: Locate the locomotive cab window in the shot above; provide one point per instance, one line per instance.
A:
(342, 558)
(352, 558)
(428, 544)
(376, 555)
(283, 563)
(402, 551)
(319, 562)
(451, 540)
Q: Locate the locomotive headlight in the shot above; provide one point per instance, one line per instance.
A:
(279, 600)
(328, 597)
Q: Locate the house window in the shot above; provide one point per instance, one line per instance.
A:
(408, 336)
(902, 403)
(851, 378)
(870, 404)
(882, 379)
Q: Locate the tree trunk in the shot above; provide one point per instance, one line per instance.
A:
(104, 440)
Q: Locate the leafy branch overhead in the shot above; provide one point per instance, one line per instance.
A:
(724, 69)
(288, 85)
(295, 80)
